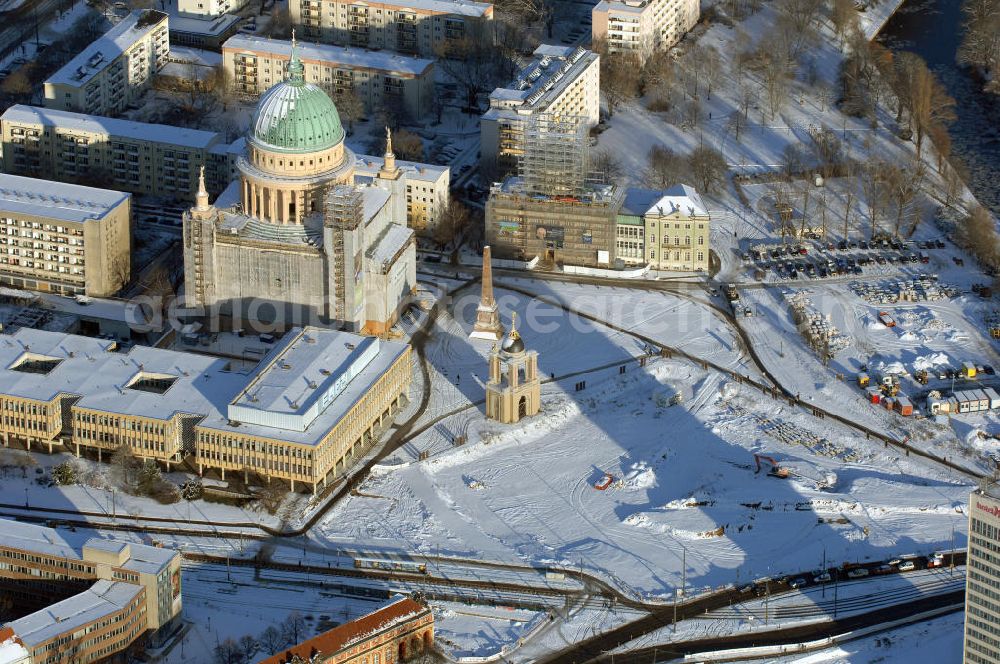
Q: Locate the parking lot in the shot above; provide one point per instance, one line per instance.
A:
(821, 260)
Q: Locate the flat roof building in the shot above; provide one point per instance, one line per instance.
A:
(86, 599)
(114, 70)
(427, 188)
(642, 26)
(561, 81)
(379, 79)
(311, 404)
(138, 157)
(208, 32)
(64, 238)
(421, 27)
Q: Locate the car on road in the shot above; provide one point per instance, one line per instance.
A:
(857, 573)
(797, 583)
(822, 577)
(907, 566)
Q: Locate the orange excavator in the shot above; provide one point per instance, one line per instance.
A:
(774, 470)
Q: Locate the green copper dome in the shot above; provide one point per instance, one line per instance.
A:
(295, 116)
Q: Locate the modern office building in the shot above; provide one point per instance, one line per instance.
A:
(422, 27)
(982, 586)
(205, 32)
(561, 81)
(426, 185)
(314, 401)
(85, 602)
(668, 230)
(137, 157)
(642, 26)
(115, 70)
(400, 631)
(64, 238)
(380, 79)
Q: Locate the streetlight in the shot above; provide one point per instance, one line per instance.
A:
(25, 497)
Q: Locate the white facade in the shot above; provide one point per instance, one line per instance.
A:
(559, 81)
(115, 70)
(642, 26)
(378, 78)
(208, 8)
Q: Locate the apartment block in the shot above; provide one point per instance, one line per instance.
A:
(64, 238)
(115, 70)
(561, 81)
(421, 27)
(982, 585)
(137, 157)
(642, 26)
(313, 403)
(380, 79)
(208, 8)
(668, 230)
(427, 188)
(85, 602)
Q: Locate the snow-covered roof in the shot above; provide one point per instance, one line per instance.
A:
(393, 240)
(106, 49)
(679, 198)
(373, 200)
(368, 166)
(101, 599)
(542, 81)
(37, 539)
(141, 558)
(11, 650)
(638, 201)
(202, 26)
(21, 114)
(196, 56)
(57, 200)
(339, 638)
(619, 7)
(333, 56)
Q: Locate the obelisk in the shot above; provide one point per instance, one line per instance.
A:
(488, 325)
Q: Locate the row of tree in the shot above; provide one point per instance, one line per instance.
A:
(980, 47)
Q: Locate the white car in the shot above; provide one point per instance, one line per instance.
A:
(857, 573)
(822, 578)
(907, 566)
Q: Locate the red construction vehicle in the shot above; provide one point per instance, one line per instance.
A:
(774, 470)
(886, 319)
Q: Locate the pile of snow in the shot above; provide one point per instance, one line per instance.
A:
(930, 361)
(640, 476)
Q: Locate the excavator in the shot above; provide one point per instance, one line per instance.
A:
(774, 470)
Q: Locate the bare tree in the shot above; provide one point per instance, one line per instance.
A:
(121, 270)
(248, 646)
(451, 223)
(666, 168)
(483, 59)
(797, 22)
(17, 87)
(980, 47)
(954, 182)
(294, 627)
(228, 652)
(844, 17)
(280, 25)
(904, 184)
(735, 123)
(923, 96)
(271, 640)
(792, 160)
(658, 80)
(708, 167)
(407, 145)
(978, 234)
(713, 68)
(349, 106)
(621, 75)
(874, 176)
(607, 165)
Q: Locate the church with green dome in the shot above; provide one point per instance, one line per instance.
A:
(294, 239)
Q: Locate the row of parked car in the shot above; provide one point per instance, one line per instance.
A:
(797, 261)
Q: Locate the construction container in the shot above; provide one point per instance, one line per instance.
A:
(904, 407)
(888, 402)
(994, 398)
(968, 369)
(874, 395)
(863, 380)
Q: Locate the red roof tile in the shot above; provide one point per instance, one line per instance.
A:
(328, 643)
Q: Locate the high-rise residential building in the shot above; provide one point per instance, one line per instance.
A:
(423, 27)
(669, 230)
(137, 157)
(379, 79)
(982, 585)
(64, 238)
(86, 603)
(302, 416)
(642, 26)
(115, 70)
(561, 81)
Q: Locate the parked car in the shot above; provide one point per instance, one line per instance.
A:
(907, 566)
(797, 583)
(823, 577)
(857, 573)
